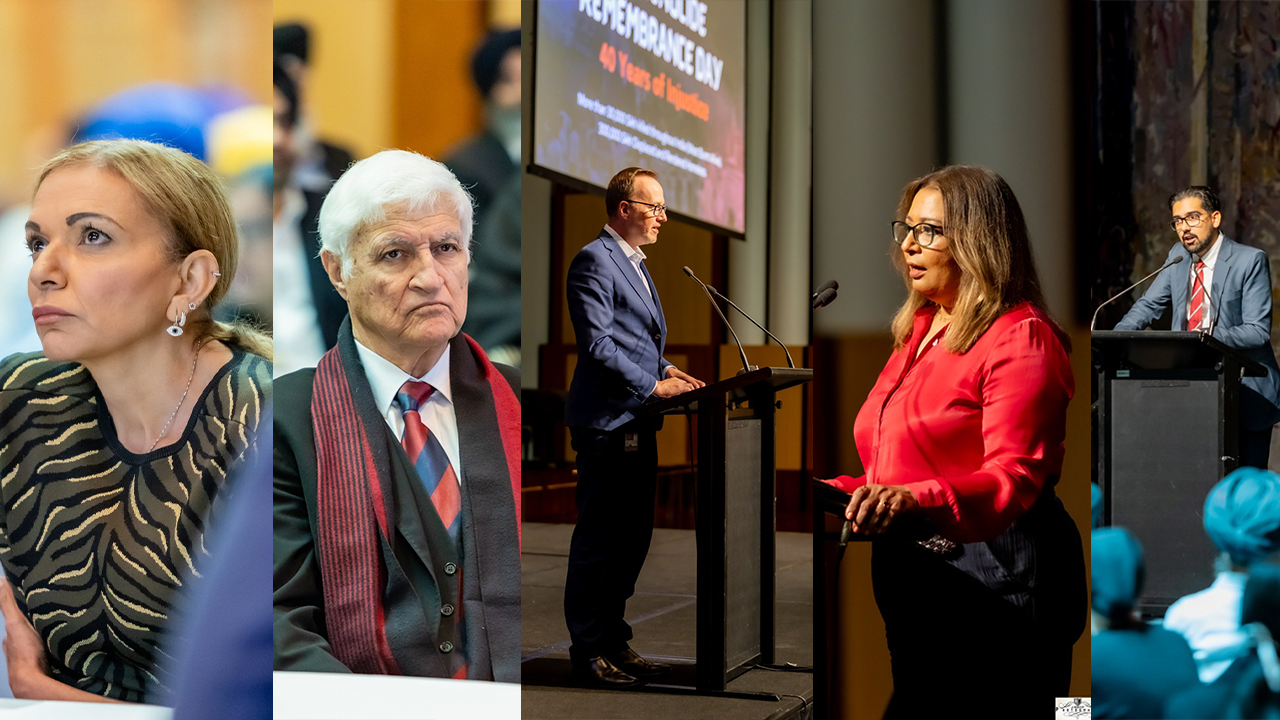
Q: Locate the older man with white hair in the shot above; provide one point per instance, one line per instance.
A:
(397, 482)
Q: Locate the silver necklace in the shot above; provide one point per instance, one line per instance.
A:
(186, 390)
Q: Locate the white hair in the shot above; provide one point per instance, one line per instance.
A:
(361, 196)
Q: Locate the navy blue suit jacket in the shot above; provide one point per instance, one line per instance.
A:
(1241, 306)
(621, 334)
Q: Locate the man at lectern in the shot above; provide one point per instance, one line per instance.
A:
(1225, 291)
(621, 332)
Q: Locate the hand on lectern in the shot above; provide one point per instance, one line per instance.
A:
(874, 508)
(671, 387)
(675, 372)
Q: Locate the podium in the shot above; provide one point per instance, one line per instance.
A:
(734, 519)
(1167, 430)
(829, 504)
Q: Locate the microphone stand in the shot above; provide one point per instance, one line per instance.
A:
(1123, 292)
(746, 366)
(790, 364)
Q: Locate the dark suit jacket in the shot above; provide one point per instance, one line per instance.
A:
(621, 333)
(483, 166)
(1241, 306)
(415, 561)
(330, 307)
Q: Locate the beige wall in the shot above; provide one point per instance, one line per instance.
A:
(59, 57)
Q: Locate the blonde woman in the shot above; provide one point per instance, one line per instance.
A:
(116, 441)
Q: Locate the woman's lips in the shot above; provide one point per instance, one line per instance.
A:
(44, 314)
(915, 271)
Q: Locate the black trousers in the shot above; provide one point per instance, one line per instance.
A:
(617, 476)
(958, 649)
(1255, 447)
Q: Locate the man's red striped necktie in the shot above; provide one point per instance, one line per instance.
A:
(1195, 307)
(437, 473)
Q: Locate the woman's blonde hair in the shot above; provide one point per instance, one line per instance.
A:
(987, 235)
(190, 201)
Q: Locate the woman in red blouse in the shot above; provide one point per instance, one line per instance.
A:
(977, 569)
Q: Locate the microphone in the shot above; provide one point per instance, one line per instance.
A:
(823, 296)
(790, 364)
(1118, 295)
(746, 366)
(829, 285)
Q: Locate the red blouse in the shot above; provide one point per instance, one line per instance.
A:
(974, 436)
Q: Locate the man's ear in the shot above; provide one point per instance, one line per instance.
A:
(1216, 218)
(333, 267)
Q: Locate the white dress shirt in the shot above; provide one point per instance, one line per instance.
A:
(634, 255)
(1210, 622)
(1210, 260)
(437, 412)
(295, 324)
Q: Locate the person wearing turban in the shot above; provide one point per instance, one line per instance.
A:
(1250, 687)
(1242, 517)
(1135, 667)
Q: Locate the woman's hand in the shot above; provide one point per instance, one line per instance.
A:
(24, 652)
(23, 648)
(873, 508)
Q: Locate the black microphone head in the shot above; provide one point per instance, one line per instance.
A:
(828, 285)
(1177, 259)
(824, 298)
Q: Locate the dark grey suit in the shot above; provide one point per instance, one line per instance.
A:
(416, 561)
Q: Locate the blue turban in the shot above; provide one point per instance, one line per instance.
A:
(163, 113)
(1095, 505)
(1117, 570)
(1242, 515)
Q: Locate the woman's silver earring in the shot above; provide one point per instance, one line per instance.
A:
(176, 328)
(217, 274)
(191, 306)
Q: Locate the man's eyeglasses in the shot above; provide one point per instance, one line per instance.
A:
(925, 233)
(1192, 219)
(656, 211)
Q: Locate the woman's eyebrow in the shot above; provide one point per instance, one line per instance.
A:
(74, 218)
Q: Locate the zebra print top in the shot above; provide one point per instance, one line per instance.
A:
(98, 541)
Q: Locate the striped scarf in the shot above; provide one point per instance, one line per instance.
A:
(353, 506)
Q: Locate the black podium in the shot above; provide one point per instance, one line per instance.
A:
(735, 519)
(829, 504)
(1167, 430)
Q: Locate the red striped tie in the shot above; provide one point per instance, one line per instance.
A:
(1196, 307)
(437, 473)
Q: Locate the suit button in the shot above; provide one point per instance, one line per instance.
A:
(450, 568)
(657, 337)
(446, 610)
(446, 646)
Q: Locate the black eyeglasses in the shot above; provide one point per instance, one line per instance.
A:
(925, 233)
(657, 209)
(1192, 219)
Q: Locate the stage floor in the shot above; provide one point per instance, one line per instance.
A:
(663, 615)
